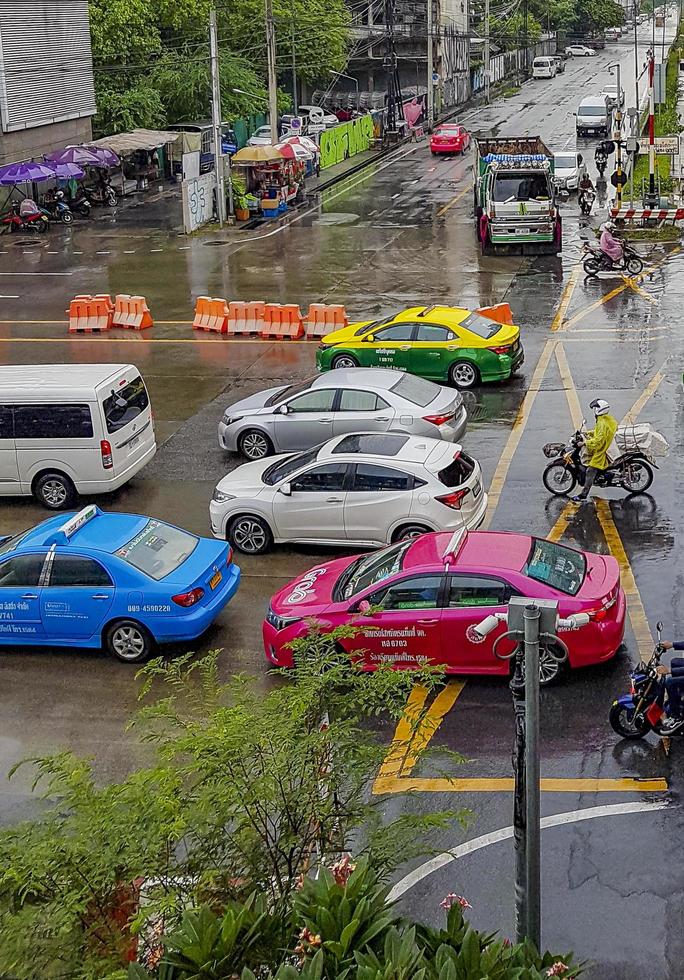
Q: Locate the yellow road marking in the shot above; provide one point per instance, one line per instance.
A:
(416, 728)
(515, 435)
(507, 785)
(635, 287)
(635, 607)
(569, 387)
(648, 391)
(454, 200)
(557, 323)
(561, 525)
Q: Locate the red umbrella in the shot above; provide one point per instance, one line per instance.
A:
(304, 141)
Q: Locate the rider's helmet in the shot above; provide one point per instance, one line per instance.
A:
(600, 407)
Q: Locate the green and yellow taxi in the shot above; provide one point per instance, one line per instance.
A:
(442, 343)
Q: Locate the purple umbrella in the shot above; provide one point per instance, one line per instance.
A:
(80, 155)
(67, 171)
(23, 173)
(108, 158)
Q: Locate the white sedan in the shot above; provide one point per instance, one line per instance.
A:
(260, 137)
(368, 488)
(579, 51)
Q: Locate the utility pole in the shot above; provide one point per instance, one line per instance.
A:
(272, 82)
(394, 98)
(294, 66)
(216, 127)
(430, 70)
(618, 141)
(636, 62)
(651, 198)
(532, 621)
(486, 51)
(525, 38)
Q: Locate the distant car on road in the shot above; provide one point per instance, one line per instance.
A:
(118, 581)
(299, 416)
(568, 168)
(370, 488)
(443, 343)
(611, 92)
(260, 137)
(417, 602)
(579, 51)
(612, 33)
(544, 67)
(449, 138)
(560, 63)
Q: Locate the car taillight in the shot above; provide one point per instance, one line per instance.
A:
(229, 556)
(500, 350)
(454, 499)
(597, 614)
(438, 419)
(106, 452)
(188, 598)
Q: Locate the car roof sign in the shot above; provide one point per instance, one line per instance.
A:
(454, 545)
(74, 524)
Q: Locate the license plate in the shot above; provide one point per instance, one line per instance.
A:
(477, 490)
(214, 580)
(133, 443)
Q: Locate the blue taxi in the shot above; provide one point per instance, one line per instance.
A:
(118, 581)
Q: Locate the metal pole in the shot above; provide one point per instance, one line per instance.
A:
(636, 66)
(294, 66)
(272, 82)
(651, 129)
(430, 70)
(486, 51)
(517, 686)
(216, 126)
(618, 130)
(532, 617)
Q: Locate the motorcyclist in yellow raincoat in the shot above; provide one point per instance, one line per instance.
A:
(597, 442)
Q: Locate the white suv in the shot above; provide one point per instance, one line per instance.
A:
(368, 488)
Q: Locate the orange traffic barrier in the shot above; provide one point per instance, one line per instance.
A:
(245, 318)
(322, 320)
(501, 313)
(282, 322)
(131, 312)
(109, 303)
(79, 313)
(210, 315)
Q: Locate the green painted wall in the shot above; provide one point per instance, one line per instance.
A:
(345, 140)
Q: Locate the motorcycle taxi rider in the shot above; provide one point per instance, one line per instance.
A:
(584, 186)
(597, 441)
(609, 245)
(674, 684)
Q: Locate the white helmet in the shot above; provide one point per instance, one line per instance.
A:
(600, 407)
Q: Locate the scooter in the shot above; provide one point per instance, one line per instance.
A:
(80, 204)
(641, 711)
(586, 200)
(56, 207)
(102, 194)
(597, 261)
(632, 470)
(601, 161)
(35, 221)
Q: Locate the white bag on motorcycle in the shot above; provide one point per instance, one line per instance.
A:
(640, 436)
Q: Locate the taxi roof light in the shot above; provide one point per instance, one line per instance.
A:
(454, 545)
(74, 524)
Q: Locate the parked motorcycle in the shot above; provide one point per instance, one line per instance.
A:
(586, 199)
(597, 261)
(635, 714)
(632, 470)
(56, 207)
(103, 193)
(15, 220)
(80, 204)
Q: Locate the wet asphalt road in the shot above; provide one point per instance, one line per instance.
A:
(399, 234)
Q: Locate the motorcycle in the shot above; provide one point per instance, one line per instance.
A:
(641, 711)
(56, 207)
(14, 220)
(632, 470)
(601, 161)
(80, 204)
(597, 261)
(102, 194)
(586, 200)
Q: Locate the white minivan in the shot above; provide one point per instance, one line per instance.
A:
(67, 429)
(544, 68)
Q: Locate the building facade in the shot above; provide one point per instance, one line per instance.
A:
(47, 93)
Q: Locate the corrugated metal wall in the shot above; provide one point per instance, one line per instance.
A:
(46, 70)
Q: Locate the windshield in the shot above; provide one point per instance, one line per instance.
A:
(566, 161)
(370, 569)
(520, 187)
(286, 467)
(125, 404)
(158, 549)
(592, 110)
(12, 542)
(289, 391)
(481, 325)
(374, 324)
(416, 390)
(555, 565)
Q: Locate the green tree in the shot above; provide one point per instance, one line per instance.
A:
(509, 32)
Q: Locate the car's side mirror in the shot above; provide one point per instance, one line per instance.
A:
(286, 489)
(370, 338)
(283, 409)
(363, 607)
(580, 159)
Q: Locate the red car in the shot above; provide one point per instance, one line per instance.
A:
(433, 588)
(449, 138)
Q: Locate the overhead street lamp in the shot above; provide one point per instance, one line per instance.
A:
(252, 95)
(341, 74)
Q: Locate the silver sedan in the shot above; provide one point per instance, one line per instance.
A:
(347, 400)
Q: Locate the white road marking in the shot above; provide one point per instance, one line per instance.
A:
(103, 253)
(395, 196)
(505, 833)
(36, 273)
(130, 251)
(6, 296)
(156, 250)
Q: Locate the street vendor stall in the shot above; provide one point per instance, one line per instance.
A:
(142, 152)
(275, 176)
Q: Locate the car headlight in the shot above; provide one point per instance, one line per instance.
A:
(280, 622)
(228, 419)
(220, 497)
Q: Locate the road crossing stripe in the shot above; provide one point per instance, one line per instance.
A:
(506, 784)
(569, 387)
(566, 296)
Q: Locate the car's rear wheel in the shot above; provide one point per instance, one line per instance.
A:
(255, 445)
(128, 641)
(463, 374)
(250, 534)
(344, 361)
(410, 531)
(54, 491)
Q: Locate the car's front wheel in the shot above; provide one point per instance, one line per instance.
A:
(250, 534)
(463, 374)
(344, 361)
(128, 641)
(254, 444)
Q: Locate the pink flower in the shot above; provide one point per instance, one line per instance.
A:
(452, 899)
(557, 970)
(342, 870)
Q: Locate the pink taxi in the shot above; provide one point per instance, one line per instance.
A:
(414, 602)
(449, 138)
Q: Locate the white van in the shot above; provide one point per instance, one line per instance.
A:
(594, 115)
(544, 68)
(72, 428)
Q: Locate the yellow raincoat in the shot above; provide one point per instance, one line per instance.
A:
(599, 439)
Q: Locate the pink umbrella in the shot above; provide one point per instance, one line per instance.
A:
(304, 141)
(293, 151)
